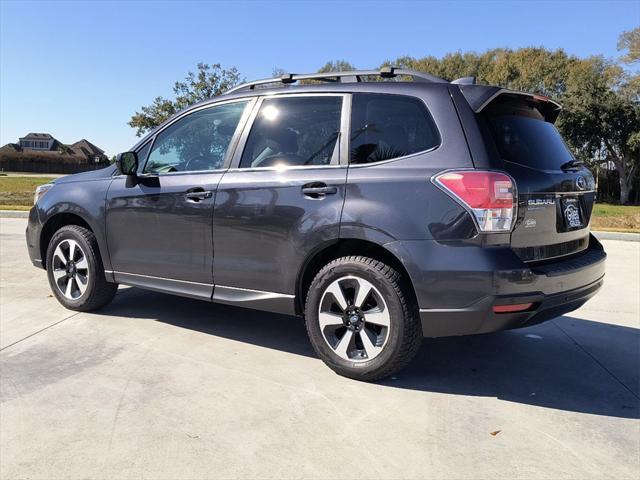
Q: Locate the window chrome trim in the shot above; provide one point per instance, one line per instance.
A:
(395, 159)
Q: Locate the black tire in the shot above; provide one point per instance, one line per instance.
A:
(98, 292)
(403, 338)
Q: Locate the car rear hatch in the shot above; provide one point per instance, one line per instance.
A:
(555, 192)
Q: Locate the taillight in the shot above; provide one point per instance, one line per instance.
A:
(489, 196)
(518, 307)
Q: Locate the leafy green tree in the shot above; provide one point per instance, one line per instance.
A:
(336, 66)
(630, 41)
(207, 82)
(601, 116)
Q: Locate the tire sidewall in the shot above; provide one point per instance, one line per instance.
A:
(66, 233)
(394, 305)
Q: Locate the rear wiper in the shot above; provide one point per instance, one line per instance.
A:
(571, 164)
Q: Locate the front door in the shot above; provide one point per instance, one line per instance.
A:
(159, 229)
(281, 199)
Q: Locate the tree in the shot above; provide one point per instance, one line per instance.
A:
(207, 82)
(630, 41)
(601, 119)
(601, 112)
(336, 66)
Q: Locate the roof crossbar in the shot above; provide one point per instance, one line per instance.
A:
(341, 77)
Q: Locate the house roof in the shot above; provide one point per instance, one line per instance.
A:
(85, 147)
(11, 147)
(37, 136)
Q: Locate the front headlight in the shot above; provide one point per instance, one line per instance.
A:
(40, 191)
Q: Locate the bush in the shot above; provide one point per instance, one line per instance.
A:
(46, 162)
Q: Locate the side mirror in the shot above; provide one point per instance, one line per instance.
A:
(127, 163)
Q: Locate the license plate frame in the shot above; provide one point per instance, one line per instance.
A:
(572, 213)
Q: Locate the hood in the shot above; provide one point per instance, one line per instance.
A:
(106, 172)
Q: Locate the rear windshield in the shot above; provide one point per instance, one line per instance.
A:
(522, 136)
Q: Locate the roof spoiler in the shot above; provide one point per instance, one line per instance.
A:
(481, 96)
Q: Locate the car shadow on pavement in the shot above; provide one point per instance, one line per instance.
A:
(566, 363)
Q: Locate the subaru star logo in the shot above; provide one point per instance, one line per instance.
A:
(581, 183)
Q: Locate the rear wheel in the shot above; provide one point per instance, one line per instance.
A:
(75, 270)
(360, 320)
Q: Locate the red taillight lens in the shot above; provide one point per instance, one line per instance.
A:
(489, 196)
(518, 307)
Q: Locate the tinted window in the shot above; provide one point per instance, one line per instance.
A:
(522, 136)
(298, 131)
(198, 141)
(389, 126)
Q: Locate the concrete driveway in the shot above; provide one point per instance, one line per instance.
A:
(156, 386)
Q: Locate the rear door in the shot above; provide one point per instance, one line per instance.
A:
(281, 199)
(555, 192)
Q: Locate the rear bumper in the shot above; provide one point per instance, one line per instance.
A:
(460, 300)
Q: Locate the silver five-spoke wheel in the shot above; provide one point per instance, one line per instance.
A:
(354, 319)
(70, 269)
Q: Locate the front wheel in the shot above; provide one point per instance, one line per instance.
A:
(75, 271)
(360, 319)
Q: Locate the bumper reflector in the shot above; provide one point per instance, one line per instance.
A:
(518, 307)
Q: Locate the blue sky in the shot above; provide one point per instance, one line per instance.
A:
(81, 69)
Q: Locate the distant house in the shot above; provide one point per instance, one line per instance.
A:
(41, 152)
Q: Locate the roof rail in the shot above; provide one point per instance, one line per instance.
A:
(341, 77)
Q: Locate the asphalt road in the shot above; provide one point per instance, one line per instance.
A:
(156, 386)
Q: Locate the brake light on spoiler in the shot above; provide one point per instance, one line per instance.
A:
(489, 196)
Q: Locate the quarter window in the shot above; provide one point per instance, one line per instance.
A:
(389, 126)
(294, 131)
(142, 153)
(198, 141)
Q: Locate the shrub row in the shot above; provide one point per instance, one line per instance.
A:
(46, 162)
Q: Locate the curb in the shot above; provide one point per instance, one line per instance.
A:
(625, 237)
(14, 214)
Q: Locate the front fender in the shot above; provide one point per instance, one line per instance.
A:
(85, 200)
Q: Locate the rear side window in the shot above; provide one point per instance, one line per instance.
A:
(389, 126)
(294, 131)
(522, 136)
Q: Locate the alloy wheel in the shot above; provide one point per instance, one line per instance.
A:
(354, 319)
(70, 269)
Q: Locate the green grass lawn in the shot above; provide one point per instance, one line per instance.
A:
(616, 218)
(16, 193)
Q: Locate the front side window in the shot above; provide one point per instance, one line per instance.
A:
(198, 141)
(389, 126)
(294, 131)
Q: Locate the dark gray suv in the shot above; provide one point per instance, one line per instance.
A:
(382, 206)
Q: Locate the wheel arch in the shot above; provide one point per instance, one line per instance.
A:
(53, 224)
(342, 248)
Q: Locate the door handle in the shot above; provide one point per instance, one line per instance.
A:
(318, 190)
(198, 194)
